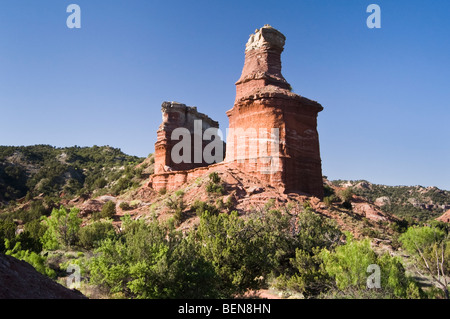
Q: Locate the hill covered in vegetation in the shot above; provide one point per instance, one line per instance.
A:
(42, 169)
(422, 203)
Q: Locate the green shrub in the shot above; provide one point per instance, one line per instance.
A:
(108, 210)
(100, 182)
(303, 267)
(370, 232)
(346, 194)
(179, 193)
(31, 257)
(214, 177)
(307, 205)
(7, 231)
(177, 207)
(400, 226)
(28, 242)
(221, 259)
(37, 209)
(348, 265)
(138, 172)
(328, 191)
(229, 204)
(62, 228)
(214, 188)
(315, 230)
(125, 206)
(214, 184)
(153, 261)
(442, 226)
(122, 184)
(91, 235)
(36, 229)
(270, 204)
(201, 208)
(243, 250)
(307, 275)
(430, 249)
(328, 200)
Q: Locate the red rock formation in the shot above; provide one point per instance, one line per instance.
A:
(264, 102)
(174, 179)
(272, 132)
(262, 66)
(176, 115)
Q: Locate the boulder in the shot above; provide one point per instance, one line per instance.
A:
(19, 280)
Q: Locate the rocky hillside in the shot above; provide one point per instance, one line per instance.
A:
(57, 172)
(418, 202)
(445, 217)
(228, 189)
(103, 174)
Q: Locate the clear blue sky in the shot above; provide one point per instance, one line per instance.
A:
(386, 92)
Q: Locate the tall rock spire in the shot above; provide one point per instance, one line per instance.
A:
(273, 132)
(262, 65)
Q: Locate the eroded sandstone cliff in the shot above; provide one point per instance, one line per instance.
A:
(179, 116)
(287, 152)
(272, 131)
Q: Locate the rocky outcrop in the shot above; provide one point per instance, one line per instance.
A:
(179, 116)
(382, 201)
(445, 217)
(19, 280)
(369, 211)
(262, 66)
(174, 179)
(273, 132)
(95, 205)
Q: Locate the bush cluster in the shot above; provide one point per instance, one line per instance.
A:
(215, 184)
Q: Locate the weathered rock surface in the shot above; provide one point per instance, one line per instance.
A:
(285, 150)
(364, 185)
(19, 280)
(262, 65)
(383, 200)
(176, 115)
(445, 217)
(272, 131)
(369, 211)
